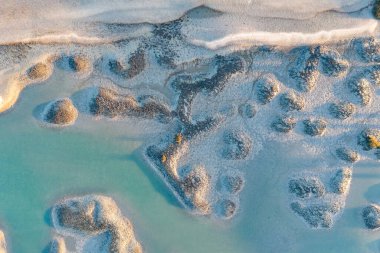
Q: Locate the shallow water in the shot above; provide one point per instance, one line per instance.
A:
(41, 165)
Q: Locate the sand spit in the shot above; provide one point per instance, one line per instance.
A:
(16, 82)
(196, 189)
(60, 112)
(96, 223)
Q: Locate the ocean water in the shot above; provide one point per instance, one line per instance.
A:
(40, 165)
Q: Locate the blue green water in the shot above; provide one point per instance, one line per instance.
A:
(40, 165)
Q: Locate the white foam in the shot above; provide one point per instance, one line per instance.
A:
(288, 39)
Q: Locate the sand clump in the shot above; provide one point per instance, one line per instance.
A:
(284, 124)
(317, 215)
(136, 65)
(342, 110)
(369, 139)
(307, 187)
(371, 216)
(226, 208)
(60, 112)
(239, 145)
(94, 215)
(38, 71)
(361, 88)
(347, 155)
(267, 88)
(292, 101)
(341, 181)
(196, 186)
(247, 110)
(314, 127)
(304, 70)
(368, 49)
(79, 63)
(232, 184)
(332, 63)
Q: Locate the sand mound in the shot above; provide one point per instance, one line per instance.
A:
(347, 155)
(318, 215)
(369, 139)
(79, 63)
(283, 124)
(371, 216)
(368, 49)
(247, 110)
(342, 110)
(314, 127)
(361, 87)
(306, 187)
(304, 70)
(92, 216)
(332, 63)
(340, 183)
(267, 88)
(292, 101)
(196, 186)
(38, 71)
(60, 112)
(136, 65)
(239, 145)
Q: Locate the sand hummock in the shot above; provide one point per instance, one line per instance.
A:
(361, 88)
(292, 101)
(332, 63)
(342, 110)
(79, 63)
(38, 71)
(314, 127)
(238, 145)
(304, 70)
(60, 112)
(283, 124)
(319, 198)
(369, 139)
(91, 216)
(371, 216)
(347, 154)
(267, 88)
(340, 183)
(307, 187)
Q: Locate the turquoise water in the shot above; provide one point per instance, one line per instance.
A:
(40, 165)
